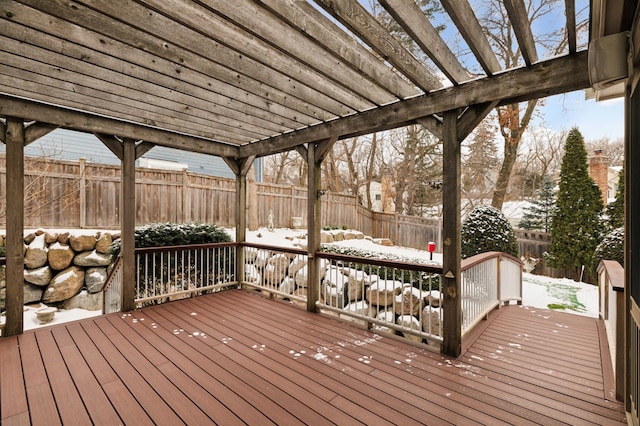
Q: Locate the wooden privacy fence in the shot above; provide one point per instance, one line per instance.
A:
(70, 194)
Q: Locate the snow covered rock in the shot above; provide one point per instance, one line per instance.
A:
(60, 256)
(84, 300)
(64, 285)
(39, 276)
(91, 258)
(383, 292)
(36, 255)
(410, 322)
(104, 243)
(82, 242)
(95, 278)
(432, 320)
(409, 301)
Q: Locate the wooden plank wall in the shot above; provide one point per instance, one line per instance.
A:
(53, 197)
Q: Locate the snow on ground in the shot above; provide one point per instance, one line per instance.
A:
(538, 291)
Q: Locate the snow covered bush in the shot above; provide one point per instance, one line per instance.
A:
(611, 248)
(486, 229)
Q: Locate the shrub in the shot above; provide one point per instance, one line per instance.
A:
(611, 248)
(486, 229)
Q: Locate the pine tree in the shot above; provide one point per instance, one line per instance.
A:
(615, 210)
(480, 162)
(538, 215)
(576, 227)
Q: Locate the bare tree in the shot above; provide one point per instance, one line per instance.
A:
(614, 149)
(513, 119)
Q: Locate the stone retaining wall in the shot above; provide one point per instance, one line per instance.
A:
(65, 269)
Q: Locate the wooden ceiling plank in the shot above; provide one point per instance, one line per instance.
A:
(309, 21)
(467, 23)
(211, 57)
(111, 142)
(352, 15)
(408, 14)
(570, 10)
(213, 28)
(554, 76)
(199, 107)
(269, 27)
(35, 131)
(90, 123)
(75, 94)
(517, 12)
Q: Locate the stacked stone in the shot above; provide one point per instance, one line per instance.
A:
(67, 269)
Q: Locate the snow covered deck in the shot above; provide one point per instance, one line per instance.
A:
(235, 357)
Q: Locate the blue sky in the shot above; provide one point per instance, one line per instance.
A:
(595, 120)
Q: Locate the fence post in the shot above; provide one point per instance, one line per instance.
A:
(186, 205)
(83, 193)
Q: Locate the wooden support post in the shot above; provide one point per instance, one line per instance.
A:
(15, 227)
(128, 224)
(241, 222)
(314, 210)
(451, 254)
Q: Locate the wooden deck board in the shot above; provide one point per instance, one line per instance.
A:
(238, 358)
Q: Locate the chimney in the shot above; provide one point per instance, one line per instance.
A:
(599, 172)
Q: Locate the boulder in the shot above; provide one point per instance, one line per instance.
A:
(288, 285)
(433, 298)
(39, 276)
(50, 238)
(63, 238)
(91, 258)
(104, 243)
(84, 300)
(280, 261)
(60, 256)
(296, 264)
(301, 276)
(272, 275)
(95, 278)
(409, 301)
(36, 255)
(32, 293)
(64, 285)
(326, 238)
(357, 280)
(432, 320)
(262, 258)
(388, 317)
(412, 323)
(383, 292)
(251, 274)
(29, 238)
(250, 254)
(82, 242)
(360, 308)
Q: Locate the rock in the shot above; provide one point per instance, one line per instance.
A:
(63, 238)
(64, 285)
(326, 238)
(32, 293)
(411, 322)
(280, 261)
(250, 254)
(28, 239)
(383, 242)
(349, 235)
(383, 292)
(338, 236)
(432, 320)
(251, 274)
(433, 298)
(82, 242)
(360, 308)
(334, 284)
(272, 275)
(39, 232)
(91, 258)
(40, 276)
(262, 258)
(387, 316)
(36, 255)
(357, 281)
(301, 276)
(409, 301)
(104, 243)
(296, 264)
(84, 300)
(3, 276)
(288, 285)
(94, 279)
(60, 256)
(50, 238)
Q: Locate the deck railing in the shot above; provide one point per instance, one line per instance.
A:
(112, 289)
(488, 280)
(177, 272)
(611, 310)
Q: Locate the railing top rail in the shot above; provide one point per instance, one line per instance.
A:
(615, 271)
(472, 261)
(183, 247)
(409, 266)
(273, 248)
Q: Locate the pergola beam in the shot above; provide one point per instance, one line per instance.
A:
(543, 79)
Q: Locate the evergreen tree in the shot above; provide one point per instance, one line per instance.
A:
(481, 162)
(576, 228)
(538, 215)
(486, 229)
(615, 210)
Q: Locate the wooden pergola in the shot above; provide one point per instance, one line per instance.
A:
(250, 78)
